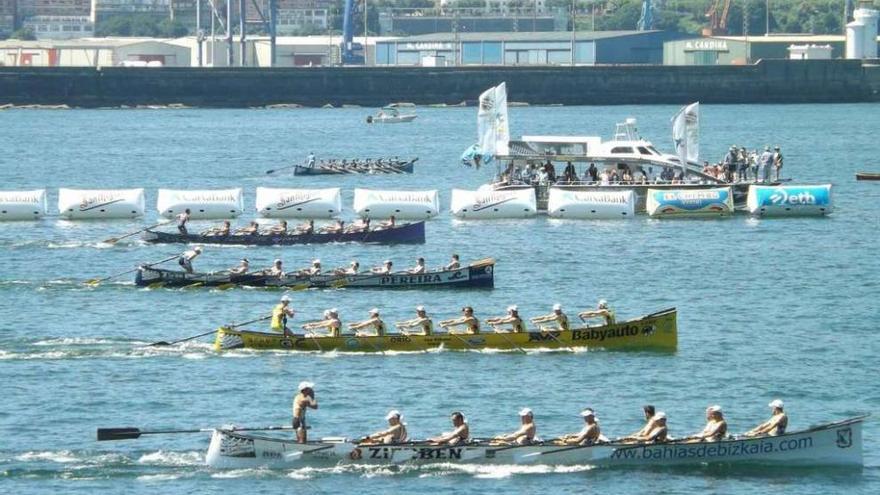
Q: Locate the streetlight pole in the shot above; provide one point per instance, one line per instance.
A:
(573, 32)
(767, 31)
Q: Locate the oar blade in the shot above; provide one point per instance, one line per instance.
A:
(118, 433)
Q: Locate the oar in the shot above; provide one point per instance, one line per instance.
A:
(502, 334)
(114, 240)
(550, 333)
(95, 281)
(460, 339)
(272, 171)
(163, 343)
(130, 433)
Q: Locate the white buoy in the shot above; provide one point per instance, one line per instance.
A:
(298, 203)
(565, 203)
(689, 202)
(205, 204)
(405, 205)
(511, 203)
(79, 204)
(22, 205)
(777, 201)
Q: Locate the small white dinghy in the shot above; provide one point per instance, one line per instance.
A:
(390, 115)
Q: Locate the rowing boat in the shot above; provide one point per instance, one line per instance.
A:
(657, 331)
(385, 168)
(867, 175)
(410, 233)
(478, 274)
(830, 444)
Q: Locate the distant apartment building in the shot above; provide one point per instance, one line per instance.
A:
(56, 19)
(511, 6)
(7, 16)
(104, 9)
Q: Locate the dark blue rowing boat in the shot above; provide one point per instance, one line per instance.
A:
(410, 233)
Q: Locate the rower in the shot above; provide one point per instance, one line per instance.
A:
(419, 268)
(182, 218)
(421, 320)
(251, 229)
(557, 316)
(242, 267)
(526, 432)
(223, 229)
(589, 435)
(303, 401)
(278, 229)
(468, 320)
(602, 310)
(658, 433)
(461, 434)
(716, 426)
(336, 227)
(373, 321)
(774, 426)
(352, 269)
(455, 264)
(385, 269)
(186, 258)
(330, 322)
(396, 432)
(275, 270)
(512, 319)
(387, 224)
(279, 315)
(360, 225)
(311, 271)
(649, 411)
(305, 228)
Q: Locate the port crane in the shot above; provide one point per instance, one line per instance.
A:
(717, 14)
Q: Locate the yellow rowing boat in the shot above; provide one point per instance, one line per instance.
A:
(657, 331)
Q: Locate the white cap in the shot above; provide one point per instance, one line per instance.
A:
(334, 311)
(387, 262)
(197, 249)
(776, 403)
(374, 311)
(588, 412)
(305, 385)
(316, 261)
(420, 308)
(713, 409)
(512, 308)
(326, 313)
(277, 260)
(394, 413)
(285, 298)
(525, 412)
(603, 302)
(557, 307)
(660, 415)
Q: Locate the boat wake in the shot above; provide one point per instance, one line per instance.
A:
(102, 348)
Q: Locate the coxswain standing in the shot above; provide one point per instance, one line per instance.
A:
(182, 219)
(557, 316)
(777, 163)
(526, 432)
(589, 435)
(469, 321)
(455, 264)
(310, 161)
(373, 321)
(421, 320)
(280, 313)
(459, 435)
(242, 267)
(395, 433)
(774, 426)
(303, 401)
(330, 322)
(512, 319)
(716, 426)
(186, 258)
(419, 268)
(602, 310)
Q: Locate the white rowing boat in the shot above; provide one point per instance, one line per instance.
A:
(837, 444)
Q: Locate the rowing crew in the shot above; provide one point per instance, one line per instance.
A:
(467, 324)
(306, 228)
(655, 429)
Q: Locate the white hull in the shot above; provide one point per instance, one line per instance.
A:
(836, 444)
(394, 120)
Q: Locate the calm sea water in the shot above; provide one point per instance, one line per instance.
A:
(767, 308)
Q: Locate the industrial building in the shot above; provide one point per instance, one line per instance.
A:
(94, 52)
(391, 22)
(531, 48)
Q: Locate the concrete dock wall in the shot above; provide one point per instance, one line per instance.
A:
(770, 81)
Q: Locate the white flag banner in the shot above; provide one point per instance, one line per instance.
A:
(686, 133)
(492, 125)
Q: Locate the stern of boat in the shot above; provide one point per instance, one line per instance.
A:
(149, 236)
(227, 339)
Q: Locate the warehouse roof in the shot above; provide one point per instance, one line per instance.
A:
(519, 36)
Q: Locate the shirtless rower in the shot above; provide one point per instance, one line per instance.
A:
(303, 401)
(649, 411)
(305, 228)
(395, 433)
(512, 319)
(242, 267)
(455, 264)
(360, 225)
(658, 433)
(186, 258)
(774, 426)
(222, 230)
(602, 310)
(385, 269)
(589, 435)
(557, 317)
(275, 270)
(715, 429)
(468, 320)
(182, 219)
(526, 432)
(278, 229)
(330, 322)
(280, 313)
(336, 227)
(387, 224)
(311, 271)
(419, 268)
(251, 229)
(421, 321)
(351, 269)
(459, 435)
(374, 321)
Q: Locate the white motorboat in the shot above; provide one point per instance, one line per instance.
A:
(390, 115)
